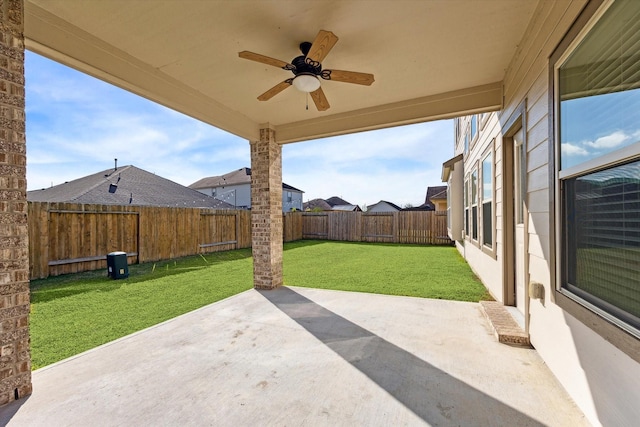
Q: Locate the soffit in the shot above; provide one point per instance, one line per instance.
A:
(431, 59)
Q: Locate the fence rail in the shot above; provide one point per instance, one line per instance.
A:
(69, 238)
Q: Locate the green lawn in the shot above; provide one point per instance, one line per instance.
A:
(76, 312)
(391, 269)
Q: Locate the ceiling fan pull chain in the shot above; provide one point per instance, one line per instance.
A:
(307, 98)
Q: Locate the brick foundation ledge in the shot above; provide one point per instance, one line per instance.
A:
(505, 328)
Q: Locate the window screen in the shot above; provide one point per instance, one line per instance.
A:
(603, 231)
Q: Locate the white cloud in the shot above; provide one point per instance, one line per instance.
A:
(609, 141)
(569, 149)
(395, 164)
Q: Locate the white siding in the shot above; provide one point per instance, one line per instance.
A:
(240, 196)
(602, 380)
(381, 207)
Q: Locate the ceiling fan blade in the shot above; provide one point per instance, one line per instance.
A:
(275, 90)
(320, 100)
(348, 77)
(245, 54)
(324, 42)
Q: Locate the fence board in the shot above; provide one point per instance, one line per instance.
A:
(218, 230)
(345, 226)
(379, 227)
(292, 226)
(315, 225)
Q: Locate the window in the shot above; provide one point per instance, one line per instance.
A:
(466, 206)
(474, 205)
(487, 198)
(474, 126)
(289, 197)
(466, 142)
(520, 176)
(598, 166)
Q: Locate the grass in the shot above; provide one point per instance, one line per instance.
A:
(77, 312)
(390, 269)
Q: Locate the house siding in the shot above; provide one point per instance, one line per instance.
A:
(381, 207)
(240, 196)
(601, 378)
(487, 268)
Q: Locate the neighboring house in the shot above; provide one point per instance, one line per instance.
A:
(126, 185)
(339, 204)
(544, 206)
(331, 204)
(235, 188)
(437, 197)
(384, 206)
(346, 208)
(316, 205)
(335, 201)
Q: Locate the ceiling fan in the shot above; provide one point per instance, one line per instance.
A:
(307, 69)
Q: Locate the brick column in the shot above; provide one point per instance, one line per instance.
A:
(266, 210)
(15, 358)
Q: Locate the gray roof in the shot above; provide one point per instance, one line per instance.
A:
(347, 208)
(126, 185)
(237, 177)
(423, 207)
(335, 200)
(316, 204)
(435, 192)
(393, 205)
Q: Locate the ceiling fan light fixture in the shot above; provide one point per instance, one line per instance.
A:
(306, 82)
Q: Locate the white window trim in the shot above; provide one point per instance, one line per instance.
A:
(490, 250)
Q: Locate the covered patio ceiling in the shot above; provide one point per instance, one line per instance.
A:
(431, 59)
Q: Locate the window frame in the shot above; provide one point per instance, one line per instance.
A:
(474, 130)
(466, 206)
(484, 119)
(466, 141)
(489, 249)
(520, 187)
(473, 203)
(624, 336)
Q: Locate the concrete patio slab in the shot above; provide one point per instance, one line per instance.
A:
(298, 356)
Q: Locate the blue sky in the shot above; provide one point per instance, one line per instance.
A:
(77, 125)
(595, 125)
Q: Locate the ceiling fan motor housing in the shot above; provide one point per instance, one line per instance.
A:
(304, 67)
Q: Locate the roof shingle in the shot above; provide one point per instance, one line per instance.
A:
(126, 185)
(237, 177)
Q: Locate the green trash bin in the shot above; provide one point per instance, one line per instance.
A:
(117, 267)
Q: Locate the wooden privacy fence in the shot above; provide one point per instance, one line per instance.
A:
(69, 238)
(420, 227)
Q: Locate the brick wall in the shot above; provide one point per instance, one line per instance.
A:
(15, 361)
(266, 210)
